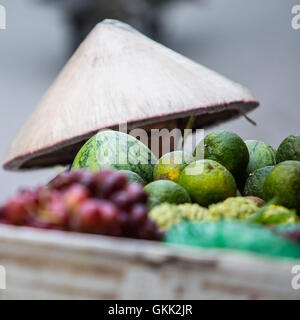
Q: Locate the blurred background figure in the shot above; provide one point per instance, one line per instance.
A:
(143, 14)
(251, 42)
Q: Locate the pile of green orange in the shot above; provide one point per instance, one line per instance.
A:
(222, 166)
(225, 165)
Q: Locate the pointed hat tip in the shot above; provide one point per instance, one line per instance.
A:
(117, 24)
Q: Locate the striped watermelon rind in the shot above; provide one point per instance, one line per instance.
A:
(132, 176)
(117, 151)
(260, 155)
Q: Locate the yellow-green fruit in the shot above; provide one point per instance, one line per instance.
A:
(207, 182)
(166, 215)
(232, 208)
(192, 211)
(277, 215)
(260, 202)
(170, 165)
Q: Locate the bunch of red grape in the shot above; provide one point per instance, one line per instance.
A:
(100, 203)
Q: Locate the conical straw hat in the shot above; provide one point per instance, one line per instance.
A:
(118, 76)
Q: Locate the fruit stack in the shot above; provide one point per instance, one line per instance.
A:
(225, 166)
(116, 186)
(226, 179)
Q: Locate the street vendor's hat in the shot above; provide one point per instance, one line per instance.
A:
(117, 76)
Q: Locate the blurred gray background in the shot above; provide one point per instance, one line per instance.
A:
(251, 42)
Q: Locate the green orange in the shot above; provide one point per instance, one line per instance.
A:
(283, 183)
(227, 148)
(170, 165)
(207, 182)
(166, 191)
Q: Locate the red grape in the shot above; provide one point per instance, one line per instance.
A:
(57, 212)
(65, 179)
(122, 200)
(44, 195)
(39, 224)
(100, 178)
(149, 231)
(31, 198)
(2, 213)
(75, 195)
(136, 193)
(113, 182)
(138, 214)
(123, 218)
(88, 179)
(108, 213)
(87, 217)
(100, 203)
(16, 211)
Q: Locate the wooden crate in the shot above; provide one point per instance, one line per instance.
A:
(59, 265)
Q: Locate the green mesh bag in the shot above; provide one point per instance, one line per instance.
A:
(232, 234)
(287, 227)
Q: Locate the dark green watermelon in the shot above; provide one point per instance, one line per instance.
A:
(289, 149)
(117, 151)
(260, 155)
(133, 177)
